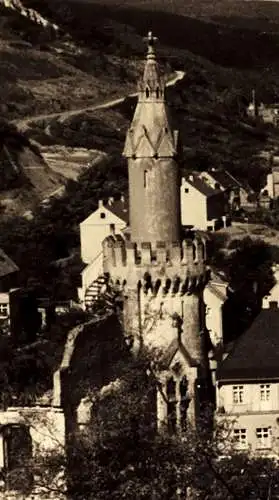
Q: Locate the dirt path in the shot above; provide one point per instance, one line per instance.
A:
(23, 124)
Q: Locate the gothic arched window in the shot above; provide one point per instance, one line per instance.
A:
(194, 252)
(171, 405)
(184, 401)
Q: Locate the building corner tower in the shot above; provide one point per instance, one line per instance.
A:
(161, 277)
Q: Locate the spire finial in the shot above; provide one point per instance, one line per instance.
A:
(151, 40)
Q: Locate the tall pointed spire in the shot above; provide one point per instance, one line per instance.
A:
(152, 85)
(151, 134)
(151, 148)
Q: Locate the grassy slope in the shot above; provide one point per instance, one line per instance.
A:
(51, 75)
(102, 59)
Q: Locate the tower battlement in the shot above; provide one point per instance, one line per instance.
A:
(125, 260)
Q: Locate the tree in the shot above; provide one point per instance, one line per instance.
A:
(123, 457)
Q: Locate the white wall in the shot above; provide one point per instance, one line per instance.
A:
(251, 414)
(214, 313)
(193, 207)
(251, 398)
(94, 230)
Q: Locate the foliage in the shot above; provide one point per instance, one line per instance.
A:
(53, 234)
(122, 455)
(26, 371)
(253, 260)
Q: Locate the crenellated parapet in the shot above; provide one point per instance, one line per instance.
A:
(175, 267)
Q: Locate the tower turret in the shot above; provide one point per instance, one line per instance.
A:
(151, 148)
(160, 278)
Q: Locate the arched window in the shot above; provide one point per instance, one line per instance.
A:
(194, 252)
(203, 250)
(171, 405)
(184, 401)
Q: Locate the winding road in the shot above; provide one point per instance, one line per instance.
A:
(62, 116)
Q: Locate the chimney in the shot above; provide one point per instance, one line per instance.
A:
(110, 200)
(122, 198)
(100, 203)
(191, 178)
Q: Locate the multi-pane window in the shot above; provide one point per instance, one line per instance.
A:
(265, 392)
(240, 438)
(238, 394)
(263, 435)
(3, 310)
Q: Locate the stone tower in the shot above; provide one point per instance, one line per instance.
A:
(160, 275)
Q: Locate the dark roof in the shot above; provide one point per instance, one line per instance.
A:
(120, 208)
(201, 185)
(7, 266)
(171, 351)
(224, 178)
(256, 353)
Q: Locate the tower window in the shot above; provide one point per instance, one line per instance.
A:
(186, 190)
(145, 178)
(102, 215)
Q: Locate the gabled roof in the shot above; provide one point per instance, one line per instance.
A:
(120, 208)
(201, 185)
(175, 347)
(223, 178)
(7, 266)
(256, 353)
(220, 291)
(110, 216)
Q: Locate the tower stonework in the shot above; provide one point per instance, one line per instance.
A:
(151, 148)
(160, 276)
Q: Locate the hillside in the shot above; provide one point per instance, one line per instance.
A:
(95, 55)
(42, 71)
